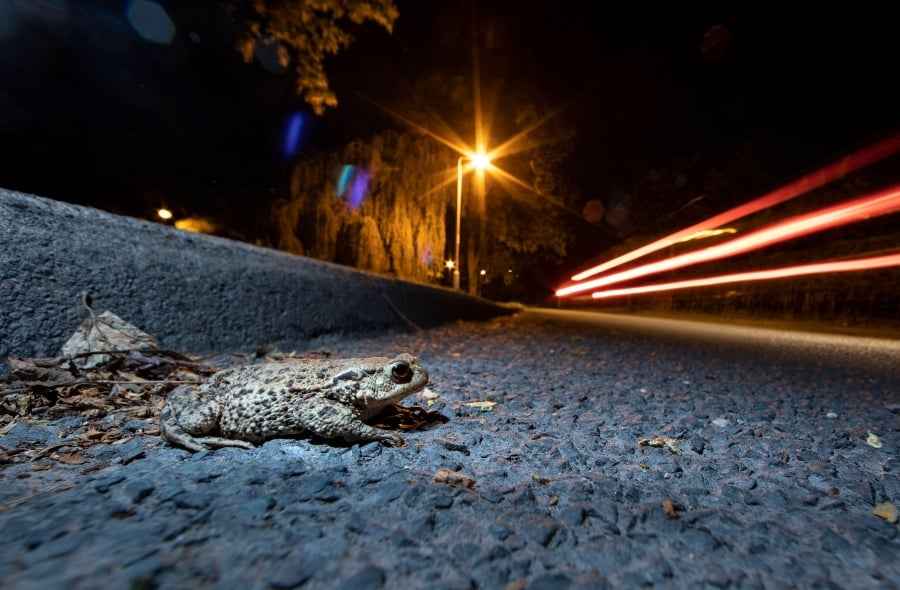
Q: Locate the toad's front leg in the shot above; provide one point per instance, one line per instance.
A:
(337, 421)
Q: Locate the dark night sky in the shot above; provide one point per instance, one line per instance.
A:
(91, 113)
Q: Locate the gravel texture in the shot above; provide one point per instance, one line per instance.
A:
(774, 486)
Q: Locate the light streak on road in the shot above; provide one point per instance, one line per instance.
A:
(811, 181)
(759, 275)
(881, 203)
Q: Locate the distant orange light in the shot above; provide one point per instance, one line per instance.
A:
(759, 275)
(164, 214)
(197, 225)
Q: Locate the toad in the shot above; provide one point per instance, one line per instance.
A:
(245, 406)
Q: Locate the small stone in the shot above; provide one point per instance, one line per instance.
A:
(296, 570)
(452, 445)
(369, 576)
(104, 485)
(721, 422)
(259, 506)
(554, 581)
(831, 415)
(573, 515)
(136, 491)
(540, 531)
(443, 502)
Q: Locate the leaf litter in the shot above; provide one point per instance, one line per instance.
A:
(110, 372)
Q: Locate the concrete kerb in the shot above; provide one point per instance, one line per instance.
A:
(194, 293)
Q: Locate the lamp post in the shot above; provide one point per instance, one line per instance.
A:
(480, 161)
(458, 208)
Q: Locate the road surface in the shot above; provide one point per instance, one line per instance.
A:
(778, 468)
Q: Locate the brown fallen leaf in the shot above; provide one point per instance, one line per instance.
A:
(46, 372)
(540, 479)
(665, 442)
(887, 511)
(453, 478)
(669, 508)
(71, 459)
(105, 332)
(407, 418)
(484, 406)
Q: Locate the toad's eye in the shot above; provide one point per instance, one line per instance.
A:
(401, 373)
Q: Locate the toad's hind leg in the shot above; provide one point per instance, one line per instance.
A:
(186, 414)
(176, 435)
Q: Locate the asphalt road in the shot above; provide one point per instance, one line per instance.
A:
(879, 355)
(782, 467)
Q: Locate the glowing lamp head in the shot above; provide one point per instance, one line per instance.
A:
(164, 214)
(481, 161)
(450, 264)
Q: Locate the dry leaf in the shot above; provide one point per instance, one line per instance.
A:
(540, 478)
(887, 511)
(671, 514)
(102, 333)
(661, 442)
(453, 478)
(46, 372)
(485, 406)
(873, 441)
(71, 459)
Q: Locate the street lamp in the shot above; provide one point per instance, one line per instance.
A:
(480, 161)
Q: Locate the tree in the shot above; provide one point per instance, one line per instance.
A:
(304, 33)
(378, 205)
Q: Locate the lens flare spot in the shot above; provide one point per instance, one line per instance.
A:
(293, 134)
(359, 189)
(715, 42)
(150, 21)
(352, 185)
(343, 180)
(427, 257)
(593, 211)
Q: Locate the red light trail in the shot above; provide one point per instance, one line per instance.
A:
(881, 203)
(760, 275)
(805, 184)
